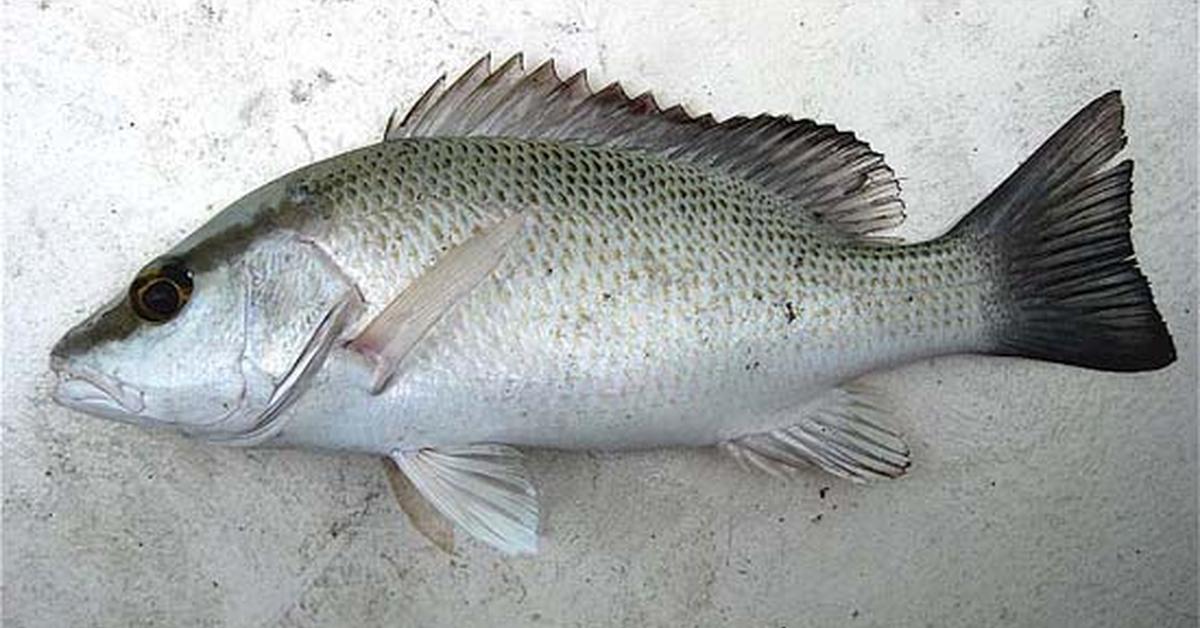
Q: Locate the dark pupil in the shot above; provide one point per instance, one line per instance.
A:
(161, 297)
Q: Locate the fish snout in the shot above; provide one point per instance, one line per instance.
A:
(89, 390)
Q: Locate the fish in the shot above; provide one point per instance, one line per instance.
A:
(525, 262)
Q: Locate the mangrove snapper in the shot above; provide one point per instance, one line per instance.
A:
(522, 262)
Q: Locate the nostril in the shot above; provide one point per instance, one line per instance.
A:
(63, 349)
(58, 361)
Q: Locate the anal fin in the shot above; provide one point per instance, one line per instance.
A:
(483, 489)
(839, 432)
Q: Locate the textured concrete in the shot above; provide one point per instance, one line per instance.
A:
(1041, 495)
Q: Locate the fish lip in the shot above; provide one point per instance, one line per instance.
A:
(87, 389)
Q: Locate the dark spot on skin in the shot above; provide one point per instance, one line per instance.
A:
(48, 473)
(782, 519)
(549, 271)
(823, 491)
(854, 613)
(753, 365)
(817, 517)
(216, 584)
(606, 296)
(791, 312)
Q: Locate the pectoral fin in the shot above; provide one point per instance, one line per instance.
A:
(483, 489)
(839, 432)
(394, 332)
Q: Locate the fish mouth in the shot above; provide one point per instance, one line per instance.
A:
(88, 390)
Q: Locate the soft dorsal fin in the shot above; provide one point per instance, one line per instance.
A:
(828, 173)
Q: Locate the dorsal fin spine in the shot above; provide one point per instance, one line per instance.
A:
(828, 174)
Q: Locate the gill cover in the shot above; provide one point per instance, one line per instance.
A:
(298, 303)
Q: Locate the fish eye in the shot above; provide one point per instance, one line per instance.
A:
(161, 290)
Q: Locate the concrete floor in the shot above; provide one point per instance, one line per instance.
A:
(1041, 495)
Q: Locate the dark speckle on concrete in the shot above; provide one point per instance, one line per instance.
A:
(301, 92)
(211, 14)
(251, 106)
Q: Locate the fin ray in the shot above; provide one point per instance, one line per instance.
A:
(392, 334)
(1060, 228)
(830, 175)
(432, 525)
(483, 489)
(839, 433)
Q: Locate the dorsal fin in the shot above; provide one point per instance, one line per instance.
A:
(830, 174)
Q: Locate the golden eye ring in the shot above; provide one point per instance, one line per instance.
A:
(160, 291)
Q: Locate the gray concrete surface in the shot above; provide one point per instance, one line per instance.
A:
(1041, 495)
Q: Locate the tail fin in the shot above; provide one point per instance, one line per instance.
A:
(1060, 229)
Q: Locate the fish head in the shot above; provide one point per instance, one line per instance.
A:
(214, 337)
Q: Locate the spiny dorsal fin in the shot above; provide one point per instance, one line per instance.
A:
(830, 174)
